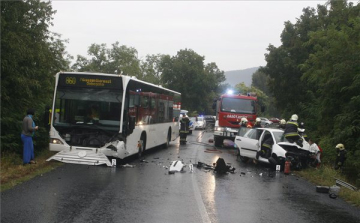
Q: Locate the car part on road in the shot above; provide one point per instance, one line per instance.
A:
(78, 156)
(334, 191)
(221, 167)
(322, 189)
(176, 166)
(204, 165)
(344, 184)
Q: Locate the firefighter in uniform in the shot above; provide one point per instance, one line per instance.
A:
(257, 123)
(282, 124)
(291, 131)
(302, 132)
(184, 129)
(340, 156)
(265, 148)
(244, 123)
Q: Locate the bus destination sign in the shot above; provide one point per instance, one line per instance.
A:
(71, 80)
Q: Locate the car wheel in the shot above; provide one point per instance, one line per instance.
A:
(273, 161)
(243, 158)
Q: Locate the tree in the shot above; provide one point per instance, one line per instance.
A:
(197, 82)
(260, 80)
(316, 73)
(30, 56)
(117, 60)
(151, 70)
(334, 72)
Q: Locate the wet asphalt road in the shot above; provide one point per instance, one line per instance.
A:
(147, 193)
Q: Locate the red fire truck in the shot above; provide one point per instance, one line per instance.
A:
(230, 108)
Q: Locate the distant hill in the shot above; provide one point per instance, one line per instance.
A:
(235, 77)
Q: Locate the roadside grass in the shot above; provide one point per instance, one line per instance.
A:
(13, 172)
(325, 176)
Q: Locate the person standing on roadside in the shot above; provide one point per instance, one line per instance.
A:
(28, 131)
(315, 153)
(340, 156)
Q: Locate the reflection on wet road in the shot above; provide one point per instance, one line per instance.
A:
(146, 192)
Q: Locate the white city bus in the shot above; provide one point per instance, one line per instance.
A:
(96, 116)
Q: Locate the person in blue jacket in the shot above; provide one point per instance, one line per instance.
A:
(28, 131)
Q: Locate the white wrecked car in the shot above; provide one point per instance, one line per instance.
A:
(248, 143)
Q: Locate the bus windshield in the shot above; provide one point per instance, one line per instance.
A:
(88, 106)
(238, 105)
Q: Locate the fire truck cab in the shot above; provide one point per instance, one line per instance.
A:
(230, 108)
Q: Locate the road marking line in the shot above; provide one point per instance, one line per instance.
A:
(200, 203)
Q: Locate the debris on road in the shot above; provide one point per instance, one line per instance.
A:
(208, 150)
(128, 165)
(204, 165)
(191, 167)
(334, 191)
(176, 166)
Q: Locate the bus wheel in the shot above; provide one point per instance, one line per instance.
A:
(168, 139)
(141, 146)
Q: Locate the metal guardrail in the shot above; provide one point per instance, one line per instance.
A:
(344, 184)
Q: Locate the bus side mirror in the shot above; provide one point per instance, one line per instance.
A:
(137, 100)
(131, 124)
(262, 108)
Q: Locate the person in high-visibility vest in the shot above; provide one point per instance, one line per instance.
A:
(291, 131)
(265, 150)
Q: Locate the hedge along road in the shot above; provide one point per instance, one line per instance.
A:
(146, 192)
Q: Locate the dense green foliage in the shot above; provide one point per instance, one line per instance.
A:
(185, 72)
(30, 56)
(315, 73)
(197, 82)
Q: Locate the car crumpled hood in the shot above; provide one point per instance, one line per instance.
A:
(287, 144)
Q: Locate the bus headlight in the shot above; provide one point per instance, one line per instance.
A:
(55, 141)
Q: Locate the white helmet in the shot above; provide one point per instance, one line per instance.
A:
(282, 122)
(244, 120)
(257, 120)
(294, 117)
(340, 146)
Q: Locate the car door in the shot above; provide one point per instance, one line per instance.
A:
(266, 133)
(248, 143)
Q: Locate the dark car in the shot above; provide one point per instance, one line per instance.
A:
(210, 120)
(274, 120)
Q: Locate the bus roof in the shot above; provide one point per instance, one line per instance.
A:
(118, 75)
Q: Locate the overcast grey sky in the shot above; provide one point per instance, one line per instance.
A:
(233, 34)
